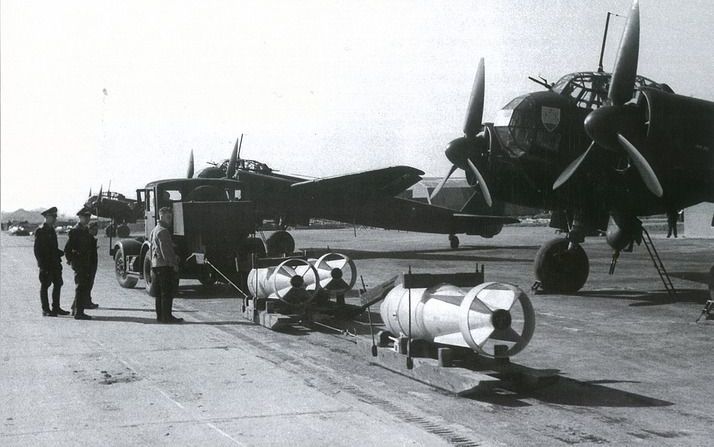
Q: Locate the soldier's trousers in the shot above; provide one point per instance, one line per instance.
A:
(92, 275)
(51, 277)
(83, 282)
(165, 278)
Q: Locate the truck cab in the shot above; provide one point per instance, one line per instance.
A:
(212, 225)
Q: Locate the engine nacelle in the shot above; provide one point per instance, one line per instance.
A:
(622, 232)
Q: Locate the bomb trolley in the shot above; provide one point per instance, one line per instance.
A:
(299, 291)
(455, 332)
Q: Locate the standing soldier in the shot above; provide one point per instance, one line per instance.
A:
(94, 261)
(164, 266)
(49, 260)
(78, 252)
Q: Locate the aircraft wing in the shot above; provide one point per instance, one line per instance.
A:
(411, 215)
(362, 186)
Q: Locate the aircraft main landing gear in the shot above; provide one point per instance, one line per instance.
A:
(453, 242)
(561, 267)
(280, 243)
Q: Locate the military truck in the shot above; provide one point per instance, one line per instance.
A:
(212, 227)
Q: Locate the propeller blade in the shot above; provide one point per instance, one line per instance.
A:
(474, 114)
(572, 167)
(240, 145)
(231, 170)
(643, 167)
(442, 183)
(189, 174)
(624, 73)
(481, 183)
(90, 192)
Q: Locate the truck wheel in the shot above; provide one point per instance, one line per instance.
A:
(560, 270)
(280, 243)
(123, 231)
(123, 278)
(151, 288)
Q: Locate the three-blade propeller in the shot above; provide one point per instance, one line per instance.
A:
(189, 174)
(460, 151)
(235, 156)
(608, 124)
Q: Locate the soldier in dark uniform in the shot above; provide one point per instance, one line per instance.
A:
(78, 252)
(94, 260)
(49, 260)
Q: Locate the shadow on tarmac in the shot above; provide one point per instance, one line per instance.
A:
(425, 255)
(701, 277)
(199, 292)
(143, 320)
(568, 392)
(130, 309)
(656, 298)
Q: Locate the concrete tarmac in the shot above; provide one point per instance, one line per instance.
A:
(634, 369)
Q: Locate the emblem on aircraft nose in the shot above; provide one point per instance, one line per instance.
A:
(550, 117)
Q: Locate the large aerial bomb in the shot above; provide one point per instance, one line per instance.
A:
(297, 280)
(488, 315)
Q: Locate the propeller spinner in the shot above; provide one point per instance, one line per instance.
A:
(608, 124)
(461, 150)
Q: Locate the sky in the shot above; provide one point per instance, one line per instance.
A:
(93, 92)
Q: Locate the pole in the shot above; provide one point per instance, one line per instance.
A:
(369, 317)
(410, 362)
(604, 39)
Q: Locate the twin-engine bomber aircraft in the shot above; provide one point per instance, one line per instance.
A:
(597, 149)
(364, 198)
(117, 207)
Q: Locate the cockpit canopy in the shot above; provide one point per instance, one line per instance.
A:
(589, 89)
(537, 123)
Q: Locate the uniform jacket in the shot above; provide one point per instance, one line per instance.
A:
(162, 248)
(93, 257)
(81, 248)
(47, 253)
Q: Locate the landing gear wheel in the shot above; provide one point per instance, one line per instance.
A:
(151, 288)
(123, 231)
(253, 245)
(208, 277)
(453, 242)
(123, 278)
(559, 269)
(280, 243)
